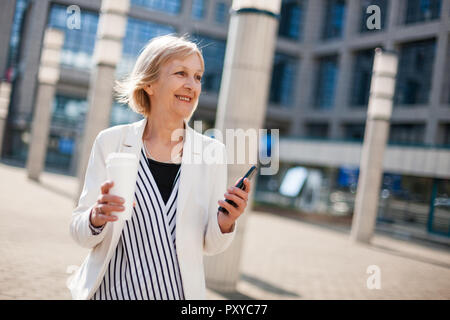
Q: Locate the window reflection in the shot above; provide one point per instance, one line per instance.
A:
(79, 44)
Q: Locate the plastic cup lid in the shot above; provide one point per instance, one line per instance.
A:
(119, 158)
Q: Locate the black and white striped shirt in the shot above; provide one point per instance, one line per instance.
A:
(144, 265)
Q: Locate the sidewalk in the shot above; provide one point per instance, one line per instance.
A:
(282, 258)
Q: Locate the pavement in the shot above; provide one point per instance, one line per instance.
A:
(282, 257)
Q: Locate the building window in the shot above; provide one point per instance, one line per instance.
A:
(316, 130)
(326, 82)
(446, 134)
(291, 18)
(283, 80)
(167, 6)
(213, 51)
(382, 4)
(68, 112)
(79, 44)
(362, 76)
(414, 73)
(123, 114)
(138, 34)
(407, 134)
(67, 124)
(221, 13)
(354, 132)
(422, 10)
(334, 19)
(198, 9)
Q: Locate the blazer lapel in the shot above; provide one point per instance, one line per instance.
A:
(130, 143)
(188, 172)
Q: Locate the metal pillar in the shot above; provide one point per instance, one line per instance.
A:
(48, 77)
(242, 105)
(375, 139)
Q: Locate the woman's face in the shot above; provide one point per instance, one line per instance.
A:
(178, 88)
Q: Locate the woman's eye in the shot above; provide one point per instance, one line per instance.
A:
(199, 78)
(180, 72)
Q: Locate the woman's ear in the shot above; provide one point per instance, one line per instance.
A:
(148, 88)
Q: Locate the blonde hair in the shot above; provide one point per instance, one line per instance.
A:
(147, 68)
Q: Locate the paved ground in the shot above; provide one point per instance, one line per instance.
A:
(282, 258)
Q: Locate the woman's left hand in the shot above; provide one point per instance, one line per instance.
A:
(240, 198)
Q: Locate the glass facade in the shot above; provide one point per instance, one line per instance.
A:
(166, 6)
(316, 130)
(382, 4)
(69, 112)
(14, 42)
(138, 33)
(354, 132)
(415, 72)
(407, 134)
(446, 136)
(326, 82)
(439, 221)
(334, 19)
(198, 9)
(362, 77)
(404, 200)
(283, 80)
(67, 124)
(422, 10)
(291, 19)
(213, 51)
(79, 44)
(221, 12)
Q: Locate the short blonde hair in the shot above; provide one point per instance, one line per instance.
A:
(147, 68)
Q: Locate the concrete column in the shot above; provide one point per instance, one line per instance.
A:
(107, 53)
(242, 104)
(5, 94)
(375, 138)
(48, 76)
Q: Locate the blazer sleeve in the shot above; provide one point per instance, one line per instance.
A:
(215, 241)
(95, 176)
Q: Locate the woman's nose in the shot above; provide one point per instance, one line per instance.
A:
(190, 83)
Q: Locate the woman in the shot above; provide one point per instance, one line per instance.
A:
(158, 254)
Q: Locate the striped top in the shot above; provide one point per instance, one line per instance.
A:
(144, 265)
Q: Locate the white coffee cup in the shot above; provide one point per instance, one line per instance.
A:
(121, 168)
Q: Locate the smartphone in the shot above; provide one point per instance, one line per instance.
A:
(249, 175)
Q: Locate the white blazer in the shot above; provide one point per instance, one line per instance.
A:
(197, 233)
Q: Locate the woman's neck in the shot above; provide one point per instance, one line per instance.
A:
(160, 130)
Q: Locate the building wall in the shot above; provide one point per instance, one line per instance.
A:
(320, 42)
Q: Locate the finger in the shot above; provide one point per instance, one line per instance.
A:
(241, 203)
(247, 185)
(103, 218)
(134, 204)
(241, 193)
(106, 209)
(232, 211)
(106, 186)
(108, 198)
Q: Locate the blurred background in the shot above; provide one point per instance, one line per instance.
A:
(319, 92)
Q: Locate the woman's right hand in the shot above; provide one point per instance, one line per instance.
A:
(106, 204)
